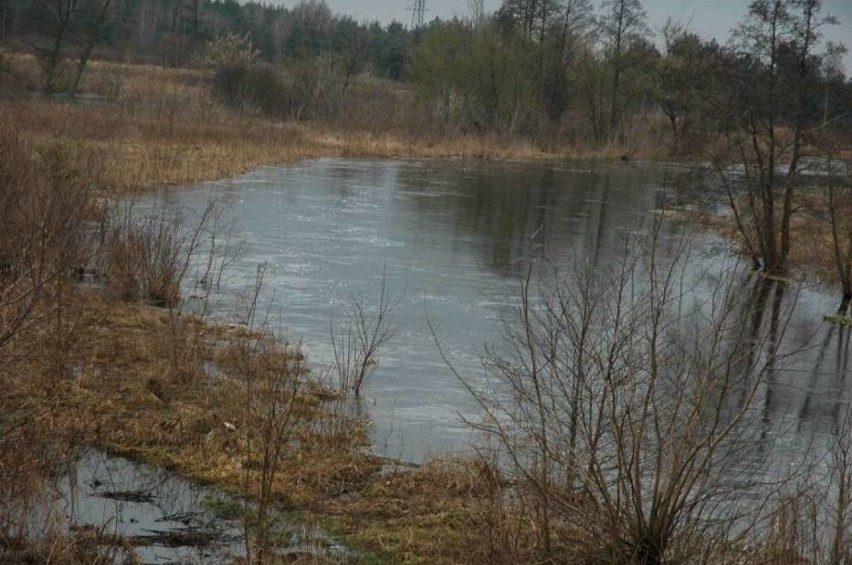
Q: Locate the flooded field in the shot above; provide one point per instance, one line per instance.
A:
(449, 239)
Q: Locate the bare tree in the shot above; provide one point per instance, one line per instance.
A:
(688, 80)
(621, 22)
(58, 26)
(272, 374)
(95, 26)
(835, 209)
(353, 49)
(773, 30)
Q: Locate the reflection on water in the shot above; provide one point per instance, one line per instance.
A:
(166, 519)
(451, 237)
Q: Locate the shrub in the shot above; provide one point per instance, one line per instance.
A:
(230, 50)
(252, 89)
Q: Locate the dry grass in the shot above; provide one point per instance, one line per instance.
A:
(126, 390)
(434, 513)
(449, 510)
(139, 152)
(151, 126)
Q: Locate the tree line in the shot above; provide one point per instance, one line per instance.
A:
(175, 32)
(542, 68)
(567, 63)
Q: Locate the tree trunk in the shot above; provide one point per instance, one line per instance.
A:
(616, 71)
(4, 6)
(844, 303)
(90, 45)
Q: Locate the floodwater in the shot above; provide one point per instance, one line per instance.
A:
(166, 518)
(449, 239)
(162, 518)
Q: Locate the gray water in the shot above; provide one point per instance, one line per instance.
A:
(449, 239)
(159, 517)
(166, 518)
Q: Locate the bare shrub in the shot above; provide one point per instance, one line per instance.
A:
(230, 49)
(11, 85)
(146, 255)
(620, 418)
(252, 89)
(43, 247)
(317, 88)
(272, 375)
(364, 333)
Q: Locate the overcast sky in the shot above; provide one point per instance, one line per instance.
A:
(710, 18)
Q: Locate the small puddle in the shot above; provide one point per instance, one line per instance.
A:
(167, 519)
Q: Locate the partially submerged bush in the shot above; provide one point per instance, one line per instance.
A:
(145, 256)
(623, 422)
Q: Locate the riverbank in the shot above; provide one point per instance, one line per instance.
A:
(126, 397)
(149, 127)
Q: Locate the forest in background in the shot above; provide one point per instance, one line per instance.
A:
(556, 72)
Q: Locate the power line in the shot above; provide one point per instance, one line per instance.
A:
(418, 12)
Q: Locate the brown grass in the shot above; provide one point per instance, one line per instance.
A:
(435, 513)
(151, 126)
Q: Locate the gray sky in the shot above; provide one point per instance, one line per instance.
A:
(710, 18)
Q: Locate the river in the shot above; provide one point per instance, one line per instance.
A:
(449, 238)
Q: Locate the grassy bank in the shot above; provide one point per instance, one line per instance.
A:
(131, 394)
(150, 126)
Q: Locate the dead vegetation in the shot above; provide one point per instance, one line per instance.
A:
(145, 126)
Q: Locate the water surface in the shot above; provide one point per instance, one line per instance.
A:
(449, 238)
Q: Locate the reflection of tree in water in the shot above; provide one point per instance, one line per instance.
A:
(530, 211)
(802, 440)
(810, 369)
